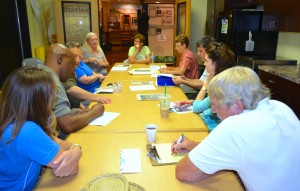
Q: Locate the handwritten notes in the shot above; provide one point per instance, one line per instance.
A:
(165, 154)
(130, 161)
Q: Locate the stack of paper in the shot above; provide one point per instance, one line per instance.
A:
(137, 71)
(130, 161)
(119, 68)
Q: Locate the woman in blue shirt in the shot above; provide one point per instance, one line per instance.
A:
(27, 131)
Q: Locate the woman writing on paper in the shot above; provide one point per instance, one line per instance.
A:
(27, 131)
(139, 53)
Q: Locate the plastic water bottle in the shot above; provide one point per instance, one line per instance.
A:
(152, 58)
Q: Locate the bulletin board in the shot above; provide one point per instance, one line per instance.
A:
(75, 18)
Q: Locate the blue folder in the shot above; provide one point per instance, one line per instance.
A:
(164, 80)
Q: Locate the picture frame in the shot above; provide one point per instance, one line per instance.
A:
(134, 21)
(158, 13)
(152, 12)
(152, 31)
(77, 21)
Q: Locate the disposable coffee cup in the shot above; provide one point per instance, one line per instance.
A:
(151, 130)
(164, 105)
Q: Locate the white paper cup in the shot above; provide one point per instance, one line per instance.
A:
(151, 130)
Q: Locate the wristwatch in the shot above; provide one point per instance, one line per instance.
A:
(204, 89)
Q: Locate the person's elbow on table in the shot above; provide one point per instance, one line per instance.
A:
(187, 171)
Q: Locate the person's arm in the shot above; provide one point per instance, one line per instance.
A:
(201, 105)
(90, 79)
(202, 93)
(85, 95)
(65, 162)
(175, 71)
(194, 83)
(187, 171)
(147, 61)
(71, 123)
(103, 62)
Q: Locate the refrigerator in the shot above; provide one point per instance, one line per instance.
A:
(233, 30)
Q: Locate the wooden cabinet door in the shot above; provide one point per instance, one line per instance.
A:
(276, 14)
(236, 4)
(294, 16)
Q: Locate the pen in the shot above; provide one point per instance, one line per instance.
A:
(180, 139)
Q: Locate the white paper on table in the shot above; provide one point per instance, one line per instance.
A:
(105, 119)
(119, 68)
(143, 87)
(165, 154)
(130, 161)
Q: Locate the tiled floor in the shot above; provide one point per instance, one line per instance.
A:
(116, 54)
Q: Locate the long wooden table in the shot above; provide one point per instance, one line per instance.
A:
(101, 146)
(101, 154)
(134, 114)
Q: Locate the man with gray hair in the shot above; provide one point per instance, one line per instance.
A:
(258, 137)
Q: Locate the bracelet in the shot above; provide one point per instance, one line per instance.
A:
(75, 145)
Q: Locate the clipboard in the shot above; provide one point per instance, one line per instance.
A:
(152, 150)
(154, 157)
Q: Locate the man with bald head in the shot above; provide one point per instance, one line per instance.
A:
(60, 62)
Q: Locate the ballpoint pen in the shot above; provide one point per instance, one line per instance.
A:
(180, 139)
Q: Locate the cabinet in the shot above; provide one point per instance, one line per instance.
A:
(120, 37)
(279, 15)
(282, 90)
(236, 4)
(275, 16)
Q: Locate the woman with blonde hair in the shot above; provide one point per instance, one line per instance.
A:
(27, 131)
(93, 55)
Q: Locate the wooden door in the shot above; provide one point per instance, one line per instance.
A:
(182, 21)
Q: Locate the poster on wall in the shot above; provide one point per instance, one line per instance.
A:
(76, 20)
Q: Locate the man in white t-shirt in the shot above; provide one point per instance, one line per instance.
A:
(258, 138)
(189, 86)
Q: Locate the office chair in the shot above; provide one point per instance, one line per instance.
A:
(31, 62)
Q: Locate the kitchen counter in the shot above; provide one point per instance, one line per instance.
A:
(289, 72)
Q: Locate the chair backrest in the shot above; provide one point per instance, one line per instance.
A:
(31, 62)
(169, 60)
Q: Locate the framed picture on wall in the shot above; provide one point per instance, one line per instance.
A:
(77, 20)
(152, 31)
(152, 12)
(134, 21)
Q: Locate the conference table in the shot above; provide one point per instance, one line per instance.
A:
(134, 114)
(101, 155)
(101, 146)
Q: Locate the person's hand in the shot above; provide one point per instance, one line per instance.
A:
(68, 162)
(92, 59)
(83, 111)
(177, 80)
(186, 102)
(185, 146)
(138, 48)
(101, 77)
(162, 70)
(105, 100)
(99, 107)
(210, 76)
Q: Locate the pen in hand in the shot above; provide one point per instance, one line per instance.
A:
(180, 139)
